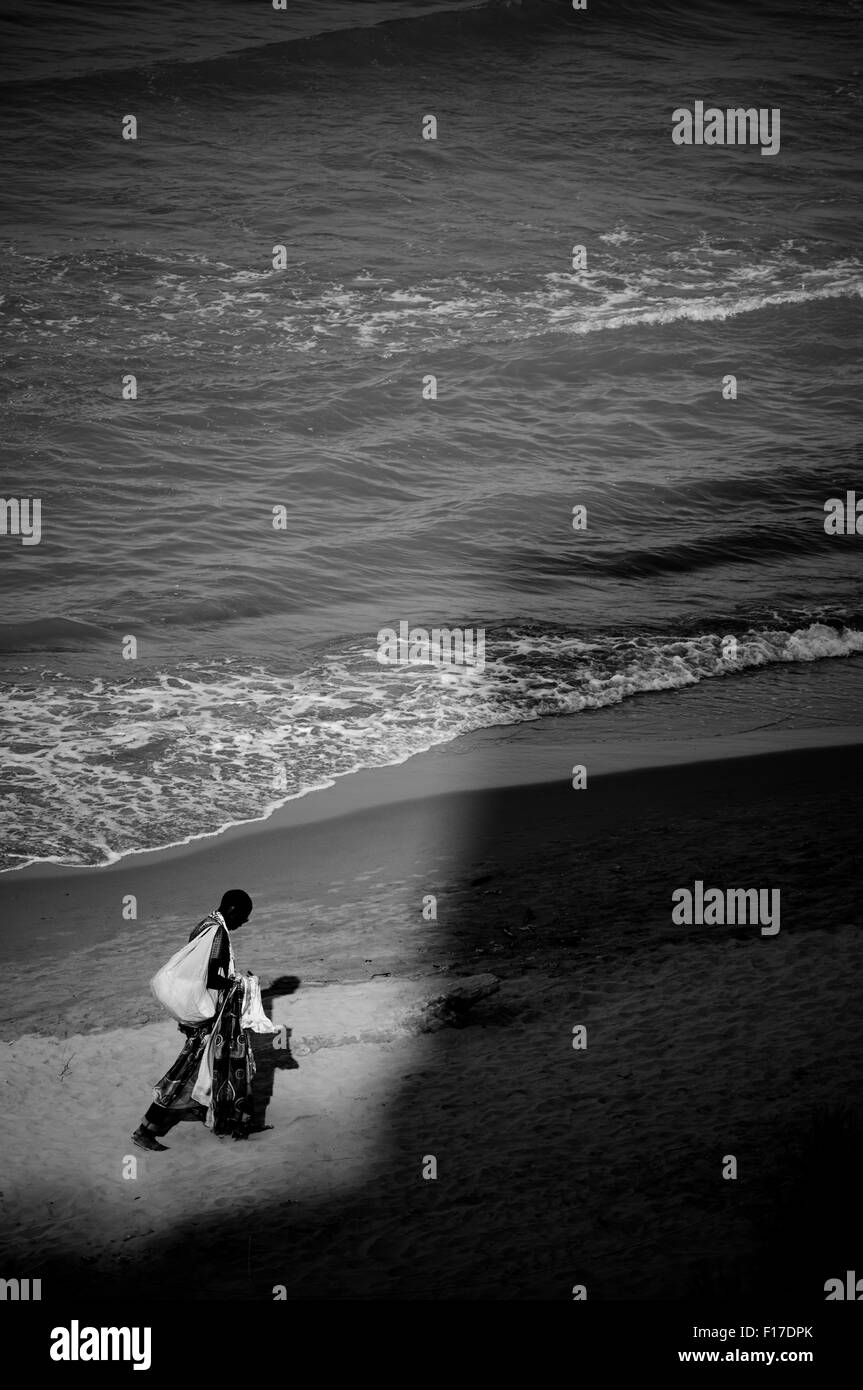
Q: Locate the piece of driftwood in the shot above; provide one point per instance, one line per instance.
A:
(459, 996)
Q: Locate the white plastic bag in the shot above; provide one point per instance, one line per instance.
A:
(253, 1008)
(181, 985)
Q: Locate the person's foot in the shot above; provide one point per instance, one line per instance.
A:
(148, 1141)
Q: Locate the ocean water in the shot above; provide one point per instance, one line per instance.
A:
(255, 677)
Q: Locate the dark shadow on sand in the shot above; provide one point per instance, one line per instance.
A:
(272, 1054)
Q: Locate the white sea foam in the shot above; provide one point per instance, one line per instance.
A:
(631, 288)
(95, 771)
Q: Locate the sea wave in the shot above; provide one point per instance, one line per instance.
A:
(183, 307)
(86, 42)
(51, 635)
(95, 770)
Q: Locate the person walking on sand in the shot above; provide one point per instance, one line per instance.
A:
(216, 1063)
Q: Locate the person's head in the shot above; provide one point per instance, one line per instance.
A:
(235, 907)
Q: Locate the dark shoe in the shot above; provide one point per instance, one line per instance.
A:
(148, 1141)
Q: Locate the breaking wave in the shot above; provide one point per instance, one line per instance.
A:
(95, 770)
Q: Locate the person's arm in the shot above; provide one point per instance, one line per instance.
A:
(220, 961)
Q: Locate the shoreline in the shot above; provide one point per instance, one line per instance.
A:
(501, 756)
(709, 720)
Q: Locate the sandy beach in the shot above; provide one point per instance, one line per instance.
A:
(556, 1165)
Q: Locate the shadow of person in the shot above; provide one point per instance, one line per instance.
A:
(282, 984)
(272, 1052)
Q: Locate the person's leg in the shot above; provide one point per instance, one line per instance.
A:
(175, 1094)
(145, 1138)
(155, 1124)
(233, 1076)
